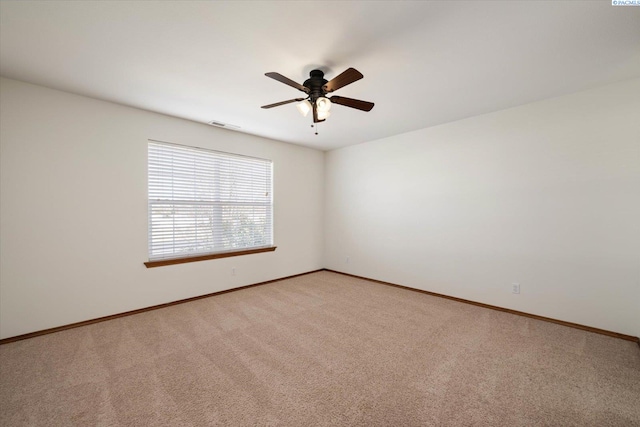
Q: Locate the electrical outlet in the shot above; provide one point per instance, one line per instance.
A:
(233, 271)
(515, 288)
(347, 260)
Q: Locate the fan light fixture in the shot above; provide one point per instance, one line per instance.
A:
(304, 107)
(323, 104)
(323, 115)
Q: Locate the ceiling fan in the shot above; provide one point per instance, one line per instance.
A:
(316, 88)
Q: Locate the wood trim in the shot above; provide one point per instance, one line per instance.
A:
(140, 310)
(506, 310)
(163, 262)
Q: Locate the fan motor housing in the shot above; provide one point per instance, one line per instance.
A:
(315, 84)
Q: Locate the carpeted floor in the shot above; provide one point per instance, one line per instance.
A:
(321, 349)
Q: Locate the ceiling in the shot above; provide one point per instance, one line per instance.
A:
(424, 63)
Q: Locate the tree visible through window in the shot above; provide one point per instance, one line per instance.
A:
(205, 202)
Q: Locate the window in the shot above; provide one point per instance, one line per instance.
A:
(207, 204)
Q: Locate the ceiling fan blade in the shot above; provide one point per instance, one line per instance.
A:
(282, 79)
(315, 114)
(347, 77)
(353, 103)
(277, 104)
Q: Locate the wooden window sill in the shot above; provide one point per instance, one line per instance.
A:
(171, 261)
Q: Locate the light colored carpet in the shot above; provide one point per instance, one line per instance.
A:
(317, 350)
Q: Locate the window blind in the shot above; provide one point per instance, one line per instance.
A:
(204, 202)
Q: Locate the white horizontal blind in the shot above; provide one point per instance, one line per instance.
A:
(203, 202)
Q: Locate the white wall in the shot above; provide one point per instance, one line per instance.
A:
(73, 211)
(546, 194)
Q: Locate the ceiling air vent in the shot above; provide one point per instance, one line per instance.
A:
(223, 125)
